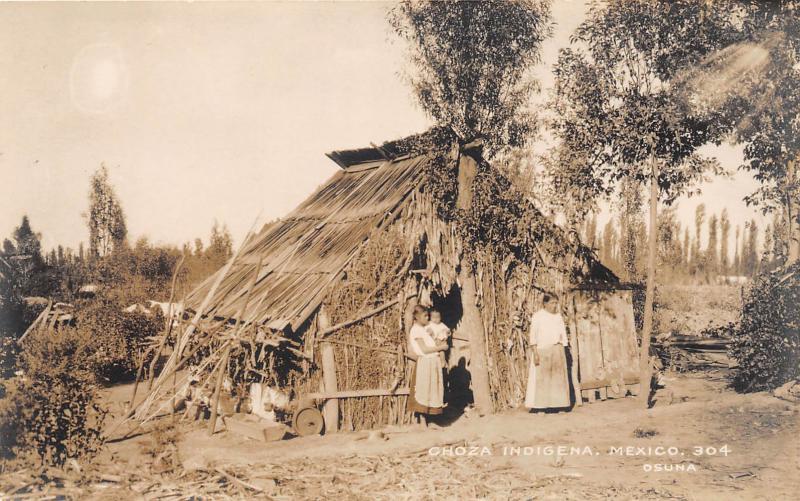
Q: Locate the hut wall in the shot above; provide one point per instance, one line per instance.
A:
(411, 257)
(419, 254)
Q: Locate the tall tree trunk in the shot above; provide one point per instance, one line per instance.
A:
(793, 219)
(471, 322)
(647, 329)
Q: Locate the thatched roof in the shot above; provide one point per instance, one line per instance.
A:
(305, 252)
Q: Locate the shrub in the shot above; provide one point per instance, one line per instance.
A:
(50, 413)
(766, 341)
(52, 419)
(114, 337)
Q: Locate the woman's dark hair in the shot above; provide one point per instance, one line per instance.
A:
(419, 309)
(549, 297)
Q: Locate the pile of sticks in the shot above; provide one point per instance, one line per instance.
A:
(215, 349)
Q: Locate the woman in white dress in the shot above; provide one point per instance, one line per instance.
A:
(426, 395)
(548, 384)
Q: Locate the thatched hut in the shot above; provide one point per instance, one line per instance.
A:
(319, 298)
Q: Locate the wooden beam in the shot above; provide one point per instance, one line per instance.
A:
(223, 369)
(379, 392)
(595, 384)
(35, 325)
(385, 154)
(331, 409)
(370, 313)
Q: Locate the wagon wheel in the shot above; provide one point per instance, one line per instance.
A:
(308, 421)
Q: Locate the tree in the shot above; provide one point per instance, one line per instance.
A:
(737, 258)
(470, 64)
(27, 263)
(699, 219)
(591, 231)
(670, 252)
(771, 128)
(619, 117)
(766, 254)
(609, 242)
(28, 243)
(750, 253)
(106, 221)
(779, 240)
(725, 230)
(8, 247)
(712, 268)
(220, 245)
(686, 247)
(630, 222)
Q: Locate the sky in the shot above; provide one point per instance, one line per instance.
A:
(211, 111)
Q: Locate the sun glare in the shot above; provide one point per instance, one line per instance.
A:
(98, 78)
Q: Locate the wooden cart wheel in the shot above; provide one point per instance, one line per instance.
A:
(308, 421)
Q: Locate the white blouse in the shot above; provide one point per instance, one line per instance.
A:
(418, 336)
(548, 329)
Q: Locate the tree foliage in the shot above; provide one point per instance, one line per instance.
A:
(617, 103)
(106, 220)
(471, 62)
(766, 341)
(770, 131)
(50, 412)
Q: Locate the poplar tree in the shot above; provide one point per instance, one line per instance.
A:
(106, 220)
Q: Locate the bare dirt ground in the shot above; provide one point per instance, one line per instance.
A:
(610, 449)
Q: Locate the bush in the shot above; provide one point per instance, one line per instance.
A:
(114, 337)
(766, 341)
(50, 413)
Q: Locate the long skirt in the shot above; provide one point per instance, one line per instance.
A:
(548, 385)
(426, 392)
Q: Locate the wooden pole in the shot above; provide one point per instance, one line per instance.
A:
(331, 407)
(360, 318)
(167, 326)
(138, 378)
(180, 344)
(36, 323)
(330, 410)
(223, 368)
(160, 382)
(647, 330)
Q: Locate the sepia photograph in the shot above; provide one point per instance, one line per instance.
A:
(400, 250)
